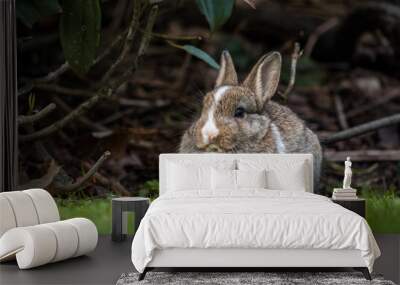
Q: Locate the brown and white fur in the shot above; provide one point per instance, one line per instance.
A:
(241, 118)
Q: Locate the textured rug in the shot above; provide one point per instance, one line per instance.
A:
(243, 278)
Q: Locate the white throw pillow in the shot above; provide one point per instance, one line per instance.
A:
(184, 178)
(281, 174)
(228, 180)
(251, 179)
(187, 174)
(223, 179)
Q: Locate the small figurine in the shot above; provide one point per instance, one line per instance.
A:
(347, 174)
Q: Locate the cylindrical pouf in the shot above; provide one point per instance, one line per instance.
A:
(7, 218)
(67, 240)
(87, 234)
(34, 246)
(45, 205)
(23, 208)
(52, 242)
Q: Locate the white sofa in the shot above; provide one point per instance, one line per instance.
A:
(31, 231)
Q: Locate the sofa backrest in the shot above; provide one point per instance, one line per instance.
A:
(276, 161)
(26, 208)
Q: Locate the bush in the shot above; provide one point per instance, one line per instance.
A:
(149, 189)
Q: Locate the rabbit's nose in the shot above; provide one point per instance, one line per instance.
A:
(209, 137)
(212, 137)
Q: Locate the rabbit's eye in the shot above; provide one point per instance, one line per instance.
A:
(239, 112)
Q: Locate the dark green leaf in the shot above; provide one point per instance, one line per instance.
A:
(80, 33)
(201, 55)
(30, 11)
(217, 12)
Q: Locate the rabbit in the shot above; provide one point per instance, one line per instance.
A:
(242, 118)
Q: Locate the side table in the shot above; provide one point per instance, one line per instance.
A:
(120, 207)
(356, 205)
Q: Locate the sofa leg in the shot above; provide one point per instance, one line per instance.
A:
(364, 271)
(142, 275)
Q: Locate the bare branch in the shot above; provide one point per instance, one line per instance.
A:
(86, 177)
(36, 117)
(64, 90)
(54, 74)
(362, 129)
(82, 119)
(363, 155)
(295, 57)
(175, 37)
(115, 185)
(128, 41)
(390, 95)
(108, 50)
(81, 109)
(104, 93)
(340, 112)
(45, 180)
(25, 89)
(313, 38)
(147, 33)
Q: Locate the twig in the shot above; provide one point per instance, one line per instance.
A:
(64, 90)
(157, 103)
(313, 38)
(295, 57)
(105, 92)
(362, 129)
(85, 121)
(53, 75)
(182, 73)
(393, 94)
(340, 112)
(115, 185)
(120, 8)
(117, 116)
(45, 180)
(81, 109)
(128, 41)
(174, 37)
(35, 117)
(363, 155)
(25, 89)
(30, 43)
(108, 50)
(39, 152)
(86, 177)
(147, 33)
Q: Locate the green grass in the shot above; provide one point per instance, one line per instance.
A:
(97, 210)
(383, 211)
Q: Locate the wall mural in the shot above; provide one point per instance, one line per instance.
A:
(104, 87)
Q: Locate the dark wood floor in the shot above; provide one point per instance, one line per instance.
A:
(111, 259)
(103, 266)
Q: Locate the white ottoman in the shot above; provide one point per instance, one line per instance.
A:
(31, 232)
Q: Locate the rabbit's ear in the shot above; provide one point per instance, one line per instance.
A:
(227, 73)
(263, 79)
